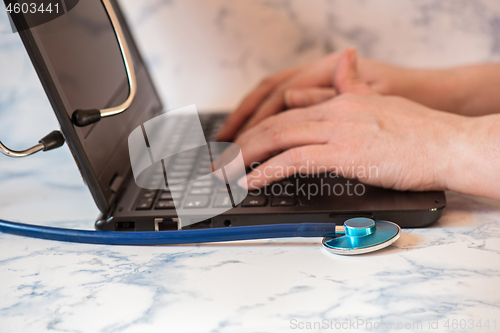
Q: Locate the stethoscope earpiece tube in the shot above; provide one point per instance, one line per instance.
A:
(82, 118)
(51, 141)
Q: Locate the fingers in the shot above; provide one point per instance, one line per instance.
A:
(300, 159)
(290, 88)
(346, 77)
(283, 137)
(300, 98)
(317, 75)
(251, 102)
(295, 116)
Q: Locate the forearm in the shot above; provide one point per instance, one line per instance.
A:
(468, 90)
(472, 162)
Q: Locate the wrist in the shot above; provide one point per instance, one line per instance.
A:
(437, 89)
(455, 160)
(470, 164)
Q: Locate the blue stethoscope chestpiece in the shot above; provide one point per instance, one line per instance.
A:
(363, 235)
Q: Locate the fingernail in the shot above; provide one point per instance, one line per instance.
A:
(352, 56)
(351, 51)
(243, 183)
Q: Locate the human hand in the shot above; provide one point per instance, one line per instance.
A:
(410, 146)
(308, 85)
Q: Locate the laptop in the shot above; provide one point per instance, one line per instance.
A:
(79, 62)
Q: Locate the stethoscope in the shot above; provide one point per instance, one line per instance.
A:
(356, 236)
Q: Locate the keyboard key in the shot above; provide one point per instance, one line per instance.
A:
(202, 183)
(157, 177)
(175, 181)
(283, 201)
(201, 190)
(185, 160)
(284, 193)
(170, 195)
(176, 188)
(202, 171)
(186, 155)
(166, 196)
(222, 201)
(165, 204)
(254, 201)
(178, 174)
(285, 188)
(149, 194)
(144, 204)
(156, 183)
(180, 167)
(222, 188)
(206, 164)
(196, 201)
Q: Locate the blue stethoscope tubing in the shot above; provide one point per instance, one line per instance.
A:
(226, 234)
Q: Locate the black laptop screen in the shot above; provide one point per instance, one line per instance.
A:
(83, 60)
(83, 56)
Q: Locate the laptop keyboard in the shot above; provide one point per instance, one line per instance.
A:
(204, 193)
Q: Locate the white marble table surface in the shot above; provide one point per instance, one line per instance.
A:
(435, 276)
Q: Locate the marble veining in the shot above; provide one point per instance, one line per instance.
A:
(210, 52)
